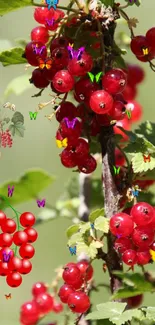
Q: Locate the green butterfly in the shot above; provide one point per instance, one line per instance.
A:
(116, 170)
(94, 77)
(128, 113)
(33, 116)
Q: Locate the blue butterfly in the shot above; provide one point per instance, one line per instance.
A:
(72, 250)
(135, 193)
(92, 225)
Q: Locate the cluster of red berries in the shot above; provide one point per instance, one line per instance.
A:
(6, 139)
(12, 266)
(135, 232)
(144, 46)
(72, 292)
(41, 304)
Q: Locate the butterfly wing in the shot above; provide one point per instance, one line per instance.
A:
(31, 115)
(91, 76)
(41, 50)
(98, 76)
(48, 64)
(114, 169)
(41, 64)
(43, 203)
(35, 115)
(118, 169)
(58, 143)
(64, 142)
(39, 204)
(71, 52)
(79, 53)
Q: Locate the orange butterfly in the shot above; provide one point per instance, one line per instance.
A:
(147, 158)
(8, 296)
(45, 64)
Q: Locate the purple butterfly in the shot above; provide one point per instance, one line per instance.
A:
(70, 124)
(38, 51)
(6, 257)
(10, 190)
(41, 204)
(118, 236)
(75, 54)
(50, 22)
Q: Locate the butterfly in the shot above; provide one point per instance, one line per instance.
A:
(10, 190)
(145, 50)
(37, 50)
(41, 204)
(116, 170)
(50, 22)
(72, 250)
(70, 124)
(62, 143)
(94, 77)
(51, 3)
(135, 193)
(152, 253)
(33, 116)
(92, 226)
(147, 158)
(45, 64)
(6, 257)
(9, 296)
(75, 54)
(128, 113)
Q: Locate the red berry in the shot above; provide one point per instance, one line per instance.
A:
(143, 257)
(38, 79)
(7, 251)
(71, 128)
(134, 302)
(129, 257)
(49, 74)
(20, 237)
(80, 67)
(43, 13)
(66, 109)
(142, 213)
(68, 158)
(4, 270)
(84, 88)
(38, 288)
(138, 46)
(64, 292)
(60, 57)
(71, 273)
(153, 246)
(26, 266)
(118, 111)
(135, 74)
(121, 224)
(15, 264)
(101, 102)
(9, 226)
(31, 55)
(2, 217)
(57, 307)
(129, 92)
(40, 34)
(27, 219)
(125, 125)
(87, 165)
(122, 244)
(145, 58)
(86, 269)
(63, 81)
(114, 81)
(59, 42)
(136, 110)
(78, 284)
(32, 235)
(150, 36)
(29, 312)
(81, 149)
(78, 302)
(26, 251)
(14, 279)
(5, 240)
(142, 237)
(44, 302)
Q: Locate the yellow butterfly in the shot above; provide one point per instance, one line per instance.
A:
(145, 51)
(62, 143)
(71, 45)
(152, 253)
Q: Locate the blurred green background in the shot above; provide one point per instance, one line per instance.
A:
(38, 150)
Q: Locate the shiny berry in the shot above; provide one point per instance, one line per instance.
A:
(7, 251)
(4, 270)
(33, 51)
(29, 312)
(81, 149)
(14, 279)
(68, 158)
(150, 36)
(114, 81)
(118, 111)
(142, 213)
(70, 127)
(135, 109)
(38, 79)
(134, 302)
(20, 237)
(57, 307)
(9, 226)
(26, 251)
(44, 302)
(139, 46)
(5, 240)
(121, 224)
(129, 92)
(87, 165)
(143, 237)
(59, 42)
(86, 269)
(83, 89)
(43, 13)
(129, 257)
(101, 102)
(80, 67)
(38, 288)
(15, 264)
(64, 292)
(60, 57)
(135, 74)
(78, 302)
(40, 34)
(66, 109)
(143, 258)
(63, 81)
(26, 266)
(32, 235)
(2, 217)
(122, 244)
(71, 273)
(27, 219)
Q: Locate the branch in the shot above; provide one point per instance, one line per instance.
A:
(58, 7)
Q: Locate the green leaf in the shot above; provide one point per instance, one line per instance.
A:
(150, 313)
(28, 186)
(108, 2)
(106, 322)
(147, 129)
(17, 117)
(83, 228)
(76, 238)
(102, 224)
(72, 187)
(119, 62)
(72, 230)
(95, 214)
(126, 316)
(18, 85)
(126, 292)
(139, 165)
(14, 56)
(134, 2)
(107, 310)
(17, 129)
(90, 250)
(11, 5)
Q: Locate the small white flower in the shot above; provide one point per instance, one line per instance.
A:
(92, 4)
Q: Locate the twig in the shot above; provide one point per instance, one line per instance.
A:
(125, 16)
(59, 7)
(102, 44)
(38, 94)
